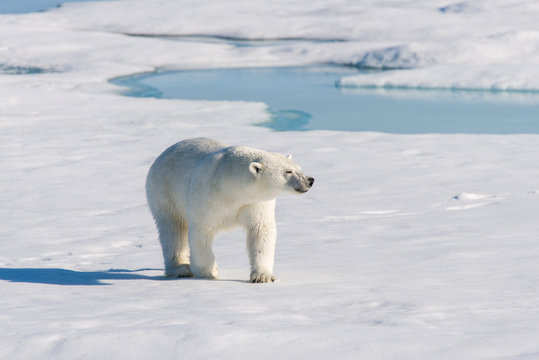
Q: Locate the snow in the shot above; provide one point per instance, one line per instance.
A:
(408, 246)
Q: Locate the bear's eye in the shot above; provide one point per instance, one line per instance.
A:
(289, 171)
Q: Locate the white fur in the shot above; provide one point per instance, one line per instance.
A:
(198, 187)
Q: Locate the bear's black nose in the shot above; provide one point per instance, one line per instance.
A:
(311, 181)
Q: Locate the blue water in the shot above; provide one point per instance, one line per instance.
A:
(27, 6)
(309, 99)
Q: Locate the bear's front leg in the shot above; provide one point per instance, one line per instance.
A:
(259, 221)
(203, 262)
(261, 246)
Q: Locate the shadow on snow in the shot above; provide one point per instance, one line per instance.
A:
(71, 277)
(52, 276)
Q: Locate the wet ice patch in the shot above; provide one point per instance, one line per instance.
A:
(394, 57)
(23, 70)
(239, 41)
(467, 201)
(473, 196)
(457, 8)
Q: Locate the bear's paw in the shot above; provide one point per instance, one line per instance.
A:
(262, 278)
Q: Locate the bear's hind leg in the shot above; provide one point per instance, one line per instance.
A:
(203, 262)
(173, 238)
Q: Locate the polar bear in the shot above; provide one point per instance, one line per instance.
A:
(198, 187)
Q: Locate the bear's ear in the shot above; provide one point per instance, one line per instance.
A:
(255, 168)
(289, 157)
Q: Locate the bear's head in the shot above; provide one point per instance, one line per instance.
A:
(275, 173)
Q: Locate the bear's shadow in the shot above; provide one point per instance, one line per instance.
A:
(55, 276)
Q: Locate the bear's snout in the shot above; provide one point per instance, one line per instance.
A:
(302, 184)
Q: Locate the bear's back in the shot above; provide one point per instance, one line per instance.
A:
(171, 173)
(187, 153)
(195, 148)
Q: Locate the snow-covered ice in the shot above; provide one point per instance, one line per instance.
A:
(430, 44)
(408, 246)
